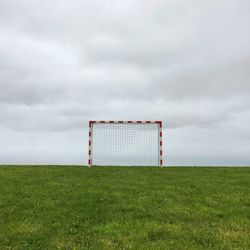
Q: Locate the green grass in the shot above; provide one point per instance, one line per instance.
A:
(124, 208)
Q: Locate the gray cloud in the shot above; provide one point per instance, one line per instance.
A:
(185, 62)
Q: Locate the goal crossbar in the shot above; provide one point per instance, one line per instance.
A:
(102, 143)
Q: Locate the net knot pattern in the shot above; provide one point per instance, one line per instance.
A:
(125, 144)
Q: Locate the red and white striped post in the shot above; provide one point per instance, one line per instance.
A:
(160, 157)
(160, 144)
(90, 143)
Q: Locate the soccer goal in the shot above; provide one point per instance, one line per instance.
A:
(125, 143)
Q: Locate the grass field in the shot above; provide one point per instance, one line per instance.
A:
(57, 207)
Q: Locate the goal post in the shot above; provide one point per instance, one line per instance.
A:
(125, 143)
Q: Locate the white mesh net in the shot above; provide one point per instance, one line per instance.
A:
(125, 144)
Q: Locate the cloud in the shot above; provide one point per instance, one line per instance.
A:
(183, 62)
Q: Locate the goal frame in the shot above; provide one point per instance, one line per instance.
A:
(90, 144)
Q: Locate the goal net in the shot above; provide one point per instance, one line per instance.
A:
(125, 143)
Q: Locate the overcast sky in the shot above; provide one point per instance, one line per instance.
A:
(186, 62)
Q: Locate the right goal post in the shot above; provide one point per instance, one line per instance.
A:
(125, 143)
